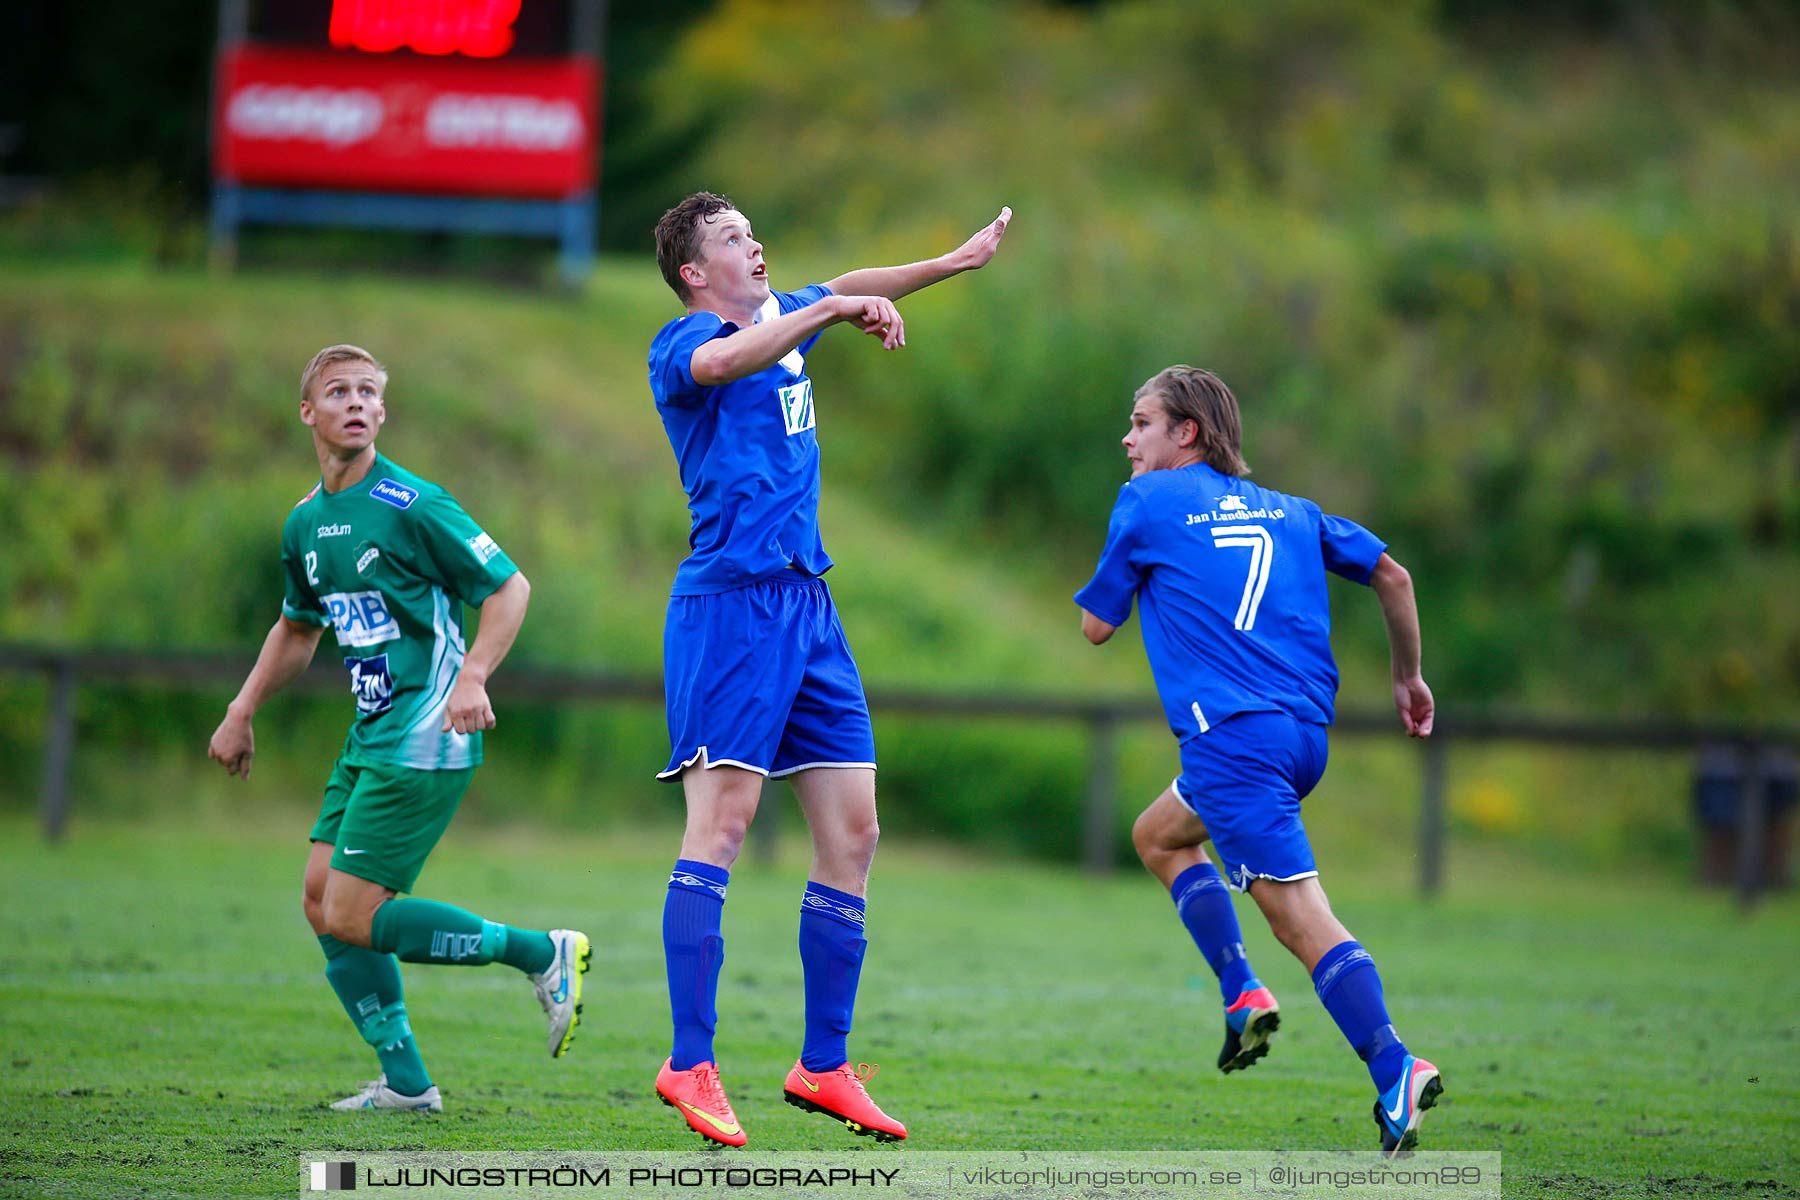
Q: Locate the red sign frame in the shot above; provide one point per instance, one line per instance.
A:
(322, 119)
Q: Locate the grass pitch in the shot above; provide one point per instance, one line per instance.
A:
(168, 1032)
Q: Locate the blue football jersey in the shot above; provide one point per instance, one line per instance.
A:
(1230, 580)
(748, 453)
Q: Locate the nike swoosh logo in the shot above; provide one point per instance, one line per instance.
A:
(728, 1128)
(347, 850)
(810, 1085)
(562, 986)
(1400, 1101)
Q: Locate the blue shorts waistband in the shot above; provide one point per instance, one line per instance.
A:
(784, 577)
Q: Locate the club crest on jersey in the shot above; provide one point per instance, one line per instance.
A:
(371, 683)
(361, 618)
(367, 555)
(483, 547)
(797, 406)
(396, 494)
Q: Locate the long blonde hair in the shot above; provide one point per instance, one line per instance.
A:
(1191, 394)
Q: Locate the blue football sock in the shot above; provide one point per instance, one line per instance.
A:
(1204, 904)
(368, 986)
(694, 952)
(1350, 988)
(831, 955)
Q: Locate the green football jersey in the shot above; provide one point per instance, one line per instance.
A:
(388, 563)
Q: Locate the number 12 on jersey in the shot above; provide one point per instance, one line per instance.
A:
(1262, 551)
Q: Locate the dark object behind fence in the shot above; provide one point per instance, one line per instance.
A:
(1744, 805)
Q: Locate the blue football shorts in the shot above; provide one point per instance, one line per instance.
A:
(761, 677)
(1245, 777)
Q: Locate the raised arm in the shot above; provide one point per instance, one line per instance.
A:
(895, 282)
(468, 708)
(757, 347)
(1394, 588)
(284, 656)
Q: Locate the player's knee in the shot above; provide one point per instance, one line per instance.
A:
(723, 839)
(345, 921)
(1141, 836)
(312, 899)
(861, 838)
(1147, 838)
(314, 907)
(1289, 932)
(1291, 923)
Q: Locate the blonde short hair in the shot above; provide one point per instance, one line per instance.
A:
(331, 355)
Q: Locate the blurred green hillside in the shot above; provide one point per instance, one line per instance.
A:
(151, 425)
(1522, 295)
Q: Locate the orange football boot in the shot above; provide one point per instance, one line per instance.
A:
(698, 1096)
(840, 1095)
(1249, 1022)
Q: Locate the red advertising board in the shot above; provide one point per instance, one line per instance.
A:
(302, 118)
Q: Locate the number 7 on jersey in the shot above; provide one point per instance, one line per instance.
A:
(1262, 551)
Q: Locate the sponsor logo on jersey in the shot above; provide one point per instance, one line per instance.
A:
(797, 406)
(372, 684)
(483, 547)
(1233, 509)
(361, 618)
(326, 531)
(396, 494)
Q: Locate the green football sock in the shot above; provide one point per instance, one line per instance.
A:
(368, 986)
(427, 931)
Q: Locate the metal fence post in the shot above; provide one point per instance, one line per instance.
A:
(1103, 794)
(59, 747)
(575, 223)
(1431, 816)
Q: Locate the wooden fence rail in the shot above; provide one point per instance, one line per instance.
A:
(67, 669)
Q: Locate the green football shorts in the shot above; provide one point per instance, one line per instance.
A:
(385, 820)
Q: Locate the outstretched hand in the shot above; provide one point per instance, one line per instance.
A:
(1413, 700)
(877, 317)
(978, 250)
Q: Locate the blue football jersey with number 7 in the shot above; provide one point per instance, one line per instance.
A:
(1229, 578)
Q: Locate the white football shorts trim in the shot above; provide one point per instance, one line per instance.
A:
(1248, 876)
(675, 771)
(786, 771)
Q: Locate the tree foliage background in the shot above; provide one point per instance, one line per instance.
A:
(1515, 285)
(1519, 287)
